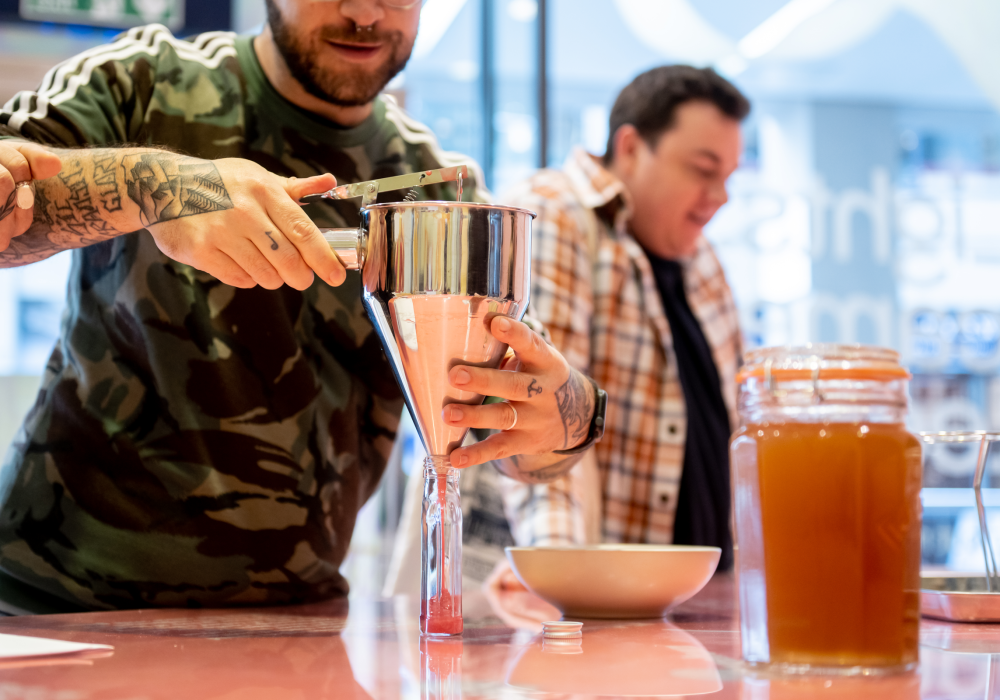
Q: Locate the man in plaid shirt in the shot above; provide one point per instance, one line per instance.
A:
(633, 295)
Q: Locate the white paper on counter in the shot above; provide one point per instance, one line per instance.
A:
(14, 646)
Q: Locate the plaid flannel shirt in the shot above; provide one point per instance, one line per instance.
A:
(593, 289)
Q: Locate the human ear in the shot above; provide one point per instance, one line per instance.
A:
(627, 142)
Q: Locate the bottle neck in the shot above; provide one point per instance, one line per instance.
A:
(438, 467)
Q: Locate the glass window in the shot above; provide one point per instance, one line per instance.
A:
(442, 84)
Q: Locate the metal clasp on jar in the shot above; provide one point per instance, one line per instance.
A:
(772, 384)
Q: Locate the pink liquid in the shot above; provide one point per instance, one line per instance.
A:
(441, 615)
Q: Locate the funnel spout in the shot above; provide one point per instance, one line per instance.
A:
(346, 244)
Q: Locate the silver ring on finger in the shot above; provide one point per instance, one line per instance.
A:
(515, 416)
(24, 194)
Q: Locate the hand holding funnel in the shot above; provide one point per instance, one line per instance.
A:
(434, 275)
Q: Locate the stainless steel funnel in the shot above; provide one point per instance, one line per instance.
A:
(434, 275)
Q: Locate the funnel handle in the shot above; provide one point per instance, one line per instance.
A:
(346, 243)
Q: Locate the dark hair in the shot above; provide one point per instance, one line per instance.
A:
(650, 102)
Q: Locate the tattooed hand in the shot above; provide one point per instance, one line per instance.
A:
(553, 404)
(230, 218)
(20, 162)
(167, 188)
(248, 229)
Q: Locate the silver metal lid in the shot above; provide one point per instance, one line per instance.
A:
(562, 630)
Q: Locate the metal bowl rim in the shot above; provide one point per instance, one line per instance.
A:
(958, 436)
(437, 203)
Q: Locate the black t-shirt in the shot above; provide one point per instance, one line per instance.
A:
(703, 503)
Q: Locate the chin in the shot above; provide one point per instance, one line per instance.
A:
(688, 242)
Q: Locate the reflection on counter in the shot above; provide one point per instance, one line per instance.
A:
(373, 651)
(904, 687)
(655, 658)
(440, 668)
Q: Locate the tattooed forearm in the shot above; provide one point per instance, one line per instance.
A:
(71, 209)
(105, 192)
(106, 180)
(575, 399)
(518, 467)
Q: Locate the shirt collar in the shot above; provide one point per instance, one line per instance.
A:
(597, 187)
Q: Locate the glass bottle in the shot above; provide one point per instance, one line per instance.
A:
(441, 550)
(826, 503)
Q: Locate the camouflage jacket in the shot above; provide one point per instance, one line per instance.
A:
(193, 443)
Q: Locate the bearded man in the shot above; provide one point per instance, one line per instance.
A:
(213, 416)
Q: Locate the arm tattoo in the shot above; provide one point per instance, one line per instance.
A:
(538, 476)
(534, 389)
(8, 208)
(106, 181)
(168, 187)
(575, 399)
(86, 202)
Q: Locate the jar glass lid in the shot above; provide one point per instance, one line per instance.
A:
(822, 361)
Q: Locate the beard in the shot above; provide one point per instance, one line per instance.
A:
(351, 87)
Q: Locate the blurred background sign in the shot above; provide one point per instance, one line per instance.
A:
(106, 13)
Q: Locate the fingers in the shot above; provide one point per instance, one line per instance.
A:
(225, 269)
(509, 581)
(42, 163)
(503, 578)
(283, 257)
(496, 446)
(305, 240)
(265, 233)
(14, 168)
(253, 263)
(510, 363)
(513, 386)
(297, 189)
(526, 344)
(18, 221)
(495, 416)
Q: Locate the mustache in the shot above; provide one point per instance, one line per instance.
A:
(344, 35)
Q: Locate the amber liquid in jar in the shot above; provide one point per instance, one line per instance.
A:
(840, 524)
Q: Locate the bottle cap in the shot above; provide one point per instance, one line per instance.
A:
(562, 630)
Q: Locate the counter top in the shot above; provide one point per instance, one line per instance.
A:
(367, 648)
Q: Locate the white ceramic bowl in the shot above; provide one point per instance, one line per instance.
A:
(614, 580)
